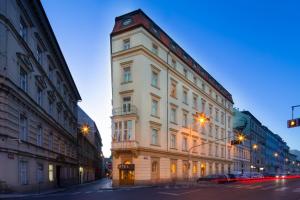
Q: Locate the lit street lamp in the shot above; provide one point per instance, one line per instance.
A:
(85, 129)
(254, 146)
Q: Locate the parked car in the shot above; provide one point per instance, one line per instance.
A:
(216, 178)
(253, 175)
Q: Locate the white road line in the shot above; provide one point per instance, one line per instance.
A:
(281, 189)
(88, 192)
(168, 193)
(99, 191)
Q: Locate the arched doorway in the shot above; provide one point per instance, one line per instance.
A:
(202, 172)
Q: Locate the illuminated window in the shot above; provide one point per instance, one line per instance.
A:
(50, 173)
(173, 167)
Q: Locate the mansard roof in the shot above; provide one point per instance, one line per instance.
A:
(138, 18)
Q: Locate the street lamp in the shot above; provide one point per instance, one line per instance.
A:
(85, 129)
(254, 146)
(276, 154)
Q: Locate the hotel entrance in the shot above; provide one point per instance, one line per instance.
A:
(126, 174)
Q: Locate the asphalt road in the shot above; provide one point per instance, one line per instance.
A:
(269, 190)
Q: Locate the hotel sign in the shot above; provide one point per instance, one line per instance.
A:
(126, 166)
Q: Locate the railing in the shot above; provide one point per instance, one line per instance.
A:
(124, 144)
(124, 110)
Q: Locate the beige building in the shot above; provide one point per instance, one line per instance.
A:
(157, 91)
(38, 102)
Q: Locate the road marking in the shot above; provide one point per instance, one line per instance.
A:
(281, 189)
(100, 191)
(168, 193)
(88, 192)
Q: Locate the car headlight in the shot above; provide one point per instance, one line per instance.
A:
(277, 176)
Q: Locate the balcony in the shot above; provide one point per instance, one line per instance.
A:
(123, 145)
(128, 110)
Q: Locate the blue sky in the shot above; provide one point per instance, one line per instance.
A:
(251, 47)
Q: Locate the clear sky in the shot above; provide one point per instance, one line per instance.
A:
(251, 47)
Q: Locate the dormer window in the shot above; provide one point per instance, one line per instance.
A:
(127, 21)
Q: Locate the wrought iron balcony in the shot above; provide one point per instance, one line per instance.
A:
(128, 110)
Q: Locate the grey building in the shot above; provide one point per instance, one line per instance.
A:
(38, 102)
(90, 156)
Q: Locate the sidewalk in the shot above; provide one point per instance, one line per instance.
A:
(103, 183)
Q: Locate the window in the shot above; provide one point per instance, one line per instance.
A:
(210, 110)
(223, 134)
(229, 152)
(58, 81)
(154, 167)
(184, 144)
(126, 74)
(185, 73)
(173, 141)
(222, 117)
(173, 90)
(23, 172)
(50, 141)
(40, 173)
(210, 130)
(222, 152)
(217, 115)
(154, 136)
(39, 96)
(195, 102)
(51, 105)
(229, 122)
(174, 64)
(126, 104)
(126, 44)
(210, 149)
(23, 127)
(173, 115)
(118, 131)
(23, 29)
(217, 132)
(203, 102)
(155, 49)
(39, 136)
(195, 168)
(50, 69)
(154, 79)
(23, 79)
(203, 86)
(154, 108)
(194, 145)
(195, 80)
(39, 54)
(50, 173)
(173, 167)
(185, 96)
(217, 150)
(127, 130)
(203, 147)
(184, 120)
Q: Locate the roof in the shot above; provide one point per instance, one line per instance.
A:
(252, 116)
(140, 19)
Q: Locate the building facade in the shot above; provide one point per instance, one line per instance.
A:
(38, 101)
(241, 153)
(157, 92)
(90, 156)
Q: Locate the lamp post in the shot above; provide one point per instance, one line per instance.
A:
(84, 130)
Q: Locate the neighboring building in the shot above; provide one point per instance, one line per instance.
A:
(38, 102)
(241, 153)
(157, 91)
(257, 140)
(90, 157)
(276, 152)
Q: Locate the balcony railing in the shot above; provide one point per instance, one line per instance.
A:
(131, 144)
(128, 110)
